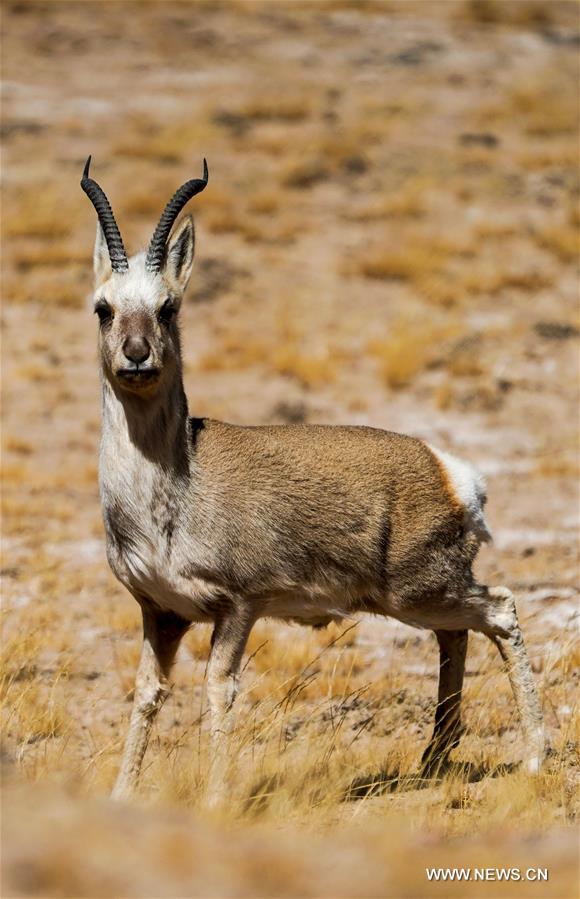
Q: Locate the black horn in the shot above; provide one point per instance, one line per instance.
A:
(156, 251)
(111, 231)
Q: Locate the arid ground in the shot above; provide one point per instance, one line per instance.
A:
(389, 237)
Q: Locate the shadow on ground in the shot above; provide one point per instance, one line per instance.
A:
(393, 781)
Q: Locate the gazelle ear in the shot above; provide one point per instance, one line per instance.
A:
(101, 262)
(179, 256)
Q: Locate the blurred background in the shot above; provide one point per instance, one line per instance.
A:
(389, 237)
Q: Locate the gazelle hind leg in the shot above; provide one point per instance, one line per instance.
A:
(505, 632)
(447, 731)
(162, 633)
(228, 643)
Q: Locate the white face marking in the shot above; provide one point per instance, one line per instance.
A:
(135, 289)
(469, 487)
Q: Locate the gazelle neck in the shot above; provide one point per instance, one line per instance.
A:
(147, 430)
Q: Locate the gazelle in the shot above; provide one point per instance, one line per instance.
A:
(208, 521)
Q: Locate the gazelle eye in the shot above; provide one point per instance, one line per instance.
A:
(104, 311)
(166, 312)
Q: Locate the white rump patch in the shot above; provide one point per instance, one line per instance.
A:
(470, 489)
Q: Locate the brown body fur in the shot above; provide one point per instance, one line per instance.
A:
(211, 521)
(366, 511)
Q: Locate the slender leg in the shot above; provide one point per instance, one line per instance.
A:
(228, 643)
(509, 640)
(448, 730)
(162, 632)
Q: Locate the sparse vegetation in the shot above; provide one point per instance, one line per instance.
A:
(518, 13)
(410, 202)
(563, 241)
(540, 105)
(36, 211)
(285, 107)
(147, 140)
(410, 348)
(366, 265)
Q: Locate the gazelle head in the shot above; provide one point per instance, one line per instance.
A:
(137, 299)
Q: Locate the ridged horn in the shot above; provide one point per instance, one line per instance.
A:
(156, 251)
(110, 228)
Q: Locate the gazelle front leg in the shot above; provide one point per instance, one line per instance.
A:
(448, 730)
(229, 639)
(162, 633)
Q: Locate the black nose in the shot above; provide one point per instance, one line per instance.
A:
(136, 349)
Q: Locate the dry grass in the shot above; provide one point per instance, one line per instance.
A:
(235, 353)
(310, 725)
(407, 263)
(441, 289)
(409, 202)
(285, 358)
(18, 445)
(410, 348)
(52, 286)
(265, 202)
(37, 210)
(143, 139)
(549, 156)
(367, 265)
(526, 14)
(256, 219)
(545, 110)
(287, 107)
(561, 240)
(49, 255)
(542, 106)
(560, 463)
(288, 862)
(428, 262)
(310, 370)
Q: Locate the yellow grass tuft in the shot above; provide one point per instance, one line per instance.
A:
(18, 445)
(559, 464)
(561, 240)
(546, 110)
(411, 259)
(542, 105)
(66, 287)
(265, 202)
(50, 255)
(285, 107)
(304, 173)
(236, 351)
(39, 211)
(439, 289)
(409, 202)
(146, 140)
(493, 279)
(410, 347)
(517, 13)
(310, 370)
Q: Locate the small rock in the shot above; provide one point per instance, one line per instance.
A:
(216, 277)
(482, 139)
(416, 54)
(551, 330)
(291, 413)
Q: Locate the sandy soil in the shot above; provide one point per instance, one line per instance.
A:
(389, 237)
